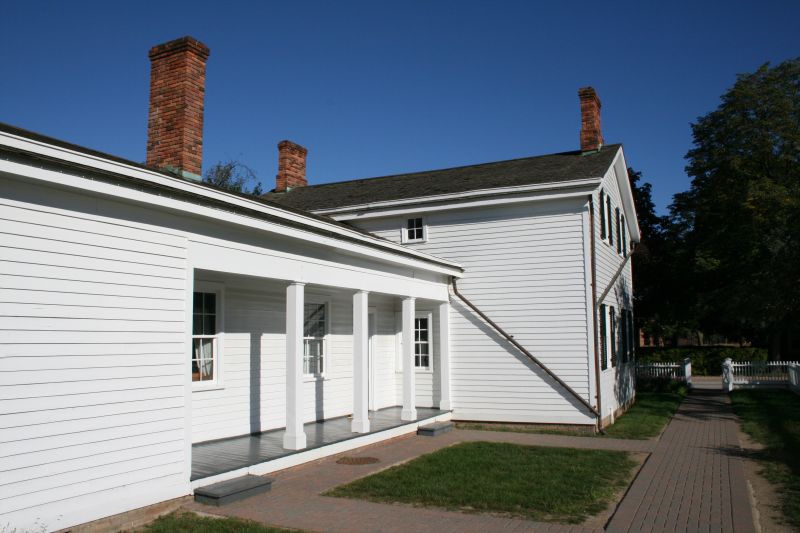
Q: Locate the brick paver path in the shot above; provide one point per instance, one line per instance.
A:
(692, 481)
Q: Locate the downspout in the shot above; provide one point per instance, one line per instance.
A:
(510, 338)
(594, 317)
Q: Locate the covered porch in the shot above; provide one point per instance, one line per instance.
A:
(211, 461)
(284, 372)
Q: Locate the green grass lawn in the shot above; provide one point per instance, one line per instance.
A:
(644, 420)
(772, 417)
(179, 522)
(549, 484)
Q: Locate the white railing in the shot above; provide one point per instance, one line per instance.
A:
(757, 374)
(794, 377)
(677, 371)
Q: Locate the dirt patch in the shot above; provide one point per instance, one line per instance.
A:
(360, 460)
(764, 496)
(600, 520)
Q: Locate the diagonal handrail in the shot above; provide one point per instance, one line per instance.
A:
(510, 338)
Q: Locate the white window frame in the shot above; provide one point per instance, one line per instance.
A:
(428, 315)
(404, 231)
(398, 342)
(219, 338)
(326, 356)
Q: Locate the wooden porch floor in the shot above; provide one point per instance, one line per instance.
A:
(220, 456)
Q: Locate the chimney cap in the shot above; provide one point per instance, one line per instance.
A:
(182, 44)
(286, 143)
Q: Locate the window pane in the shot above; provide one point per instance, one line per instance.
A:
(198, 302)
(314, 320)
(197, 325)
(209, 302)
(425, 361)
(209, 325)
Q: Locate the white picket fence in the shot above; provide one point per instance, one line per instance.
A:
(759, 374)
(794, 377)
(677, 371)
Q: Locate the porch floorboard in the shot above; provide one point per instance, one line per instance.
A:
(224, 455)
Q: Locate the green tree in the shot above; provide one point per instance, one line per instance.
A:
(739, 223)
(658, 288)
(235, 177)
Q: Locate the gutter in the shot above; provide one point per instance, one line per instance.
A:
(529, 355)
(259, 210)
(594, 317)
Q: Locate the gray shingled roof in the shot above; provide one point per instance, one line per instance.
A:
(552, 168)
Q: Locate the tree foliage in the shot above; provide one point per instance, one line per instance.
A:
(235, 177)
(738, 226)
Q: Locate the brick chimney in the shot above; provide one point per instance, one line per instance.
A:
(291, 166)
(591, 133)
(175, 122)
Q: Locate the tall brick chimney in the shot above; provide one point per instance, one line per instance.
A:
(591, 133)
(175, 121)
(291, 166)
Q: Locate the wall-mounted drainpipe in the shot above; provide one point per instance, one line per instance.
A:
(510, 338)
(594, 318)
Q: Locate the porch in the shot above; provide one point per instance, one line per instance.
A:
(212, 460)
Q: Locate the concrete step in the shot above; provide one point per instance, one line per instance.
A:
(437, 428)
(233, 490)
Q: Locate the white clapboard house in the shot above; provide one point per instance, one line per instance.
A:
(158, 334)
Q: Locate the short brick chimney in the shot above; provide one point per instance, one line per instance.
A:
(175, 122)
(291, 166)
(591, 133)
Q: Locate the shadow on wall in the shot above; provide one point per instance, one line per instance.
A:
(625, 379)
(491, 333)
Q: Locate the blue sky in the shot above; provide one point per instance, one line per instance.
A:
(375, 88)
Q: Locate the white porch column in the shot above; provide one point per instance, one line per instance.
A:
(409, 373)
(444, 355)
(294, 438)
(360, 423)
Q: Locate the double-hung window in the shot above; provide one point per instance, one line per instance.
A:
(206, 327)
(315, 328)
(602, 216)
(603, 338)
(414, 230)
(620, 249)
(613, 336)
(608, 220)
(624, 236)
(422, 341)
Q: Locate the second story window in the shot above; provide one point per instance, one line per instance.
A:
(414, 230)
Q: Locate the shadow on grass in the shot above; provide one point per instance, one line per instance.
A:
(772, 417)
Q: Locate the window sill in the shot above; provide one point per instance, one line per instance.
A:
(414, 241)
(206, 387)
(309, 379)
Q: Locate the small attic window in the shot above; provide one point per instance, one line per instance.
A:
(414, 230)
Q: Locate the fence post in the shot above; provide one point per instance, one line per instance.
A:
(687, 372)
(727, 375)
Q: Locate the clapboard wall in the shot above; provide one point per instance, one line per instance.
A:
(617, 381)
(92, 360)
(252, 393)
(526, 269)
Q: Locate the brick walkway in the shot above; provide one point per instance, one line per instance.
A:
(692, 481)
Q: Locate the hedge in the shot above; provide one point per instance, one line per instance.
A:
(706, 360)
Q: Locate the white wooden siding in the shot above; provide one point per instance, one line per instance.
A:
(92, 362)
(525, 269)
(254, 330)
(616, 383)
